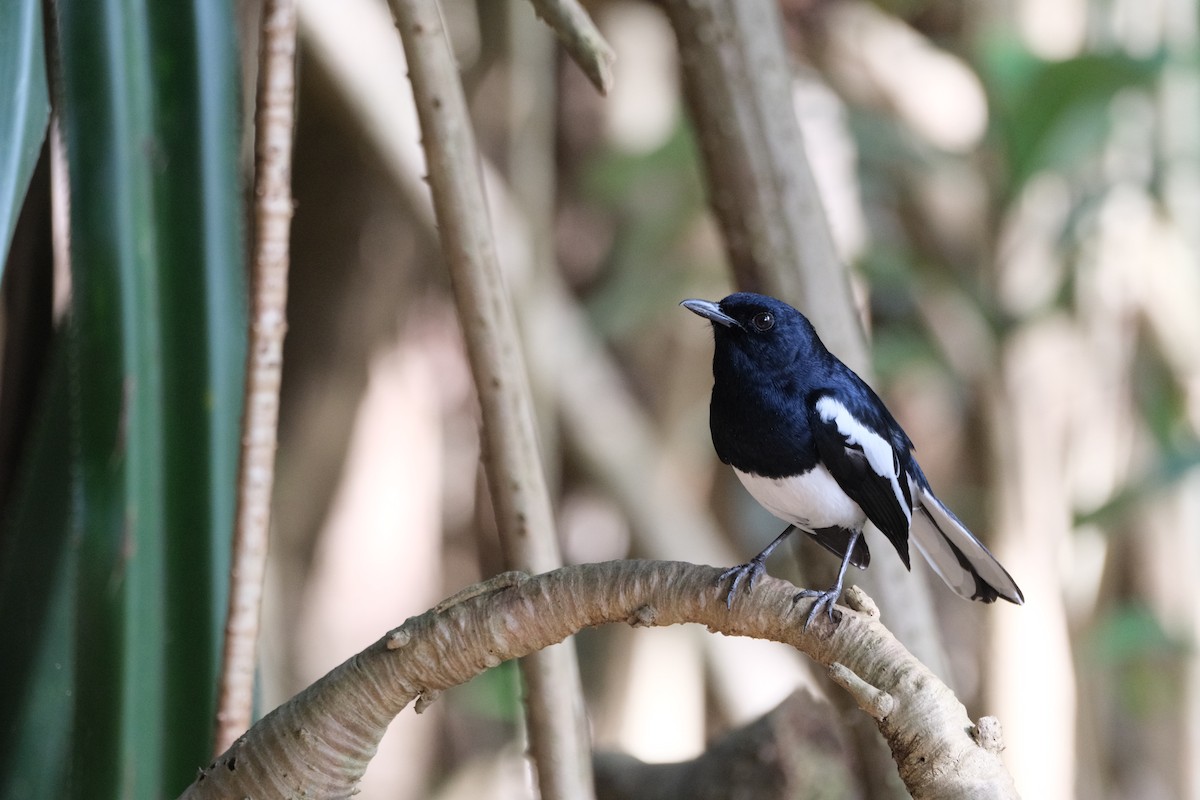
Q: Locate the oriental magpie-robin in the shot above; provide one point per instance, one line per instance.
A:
(818, 449)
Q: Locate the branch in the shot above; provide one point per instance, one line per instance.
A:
(319, 743)
(556, 723)
(274, 125)
(579, 35)
(738, 83)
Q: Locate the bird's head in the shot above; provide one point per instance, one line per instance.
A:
(760, 331)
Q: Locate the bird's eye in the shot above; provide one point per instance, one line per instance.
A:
(763, 321)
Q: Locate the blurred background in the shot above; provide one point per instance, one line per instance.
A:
(1015, 188)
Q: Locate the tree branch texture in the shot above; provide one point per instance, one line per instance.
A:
(738, 81)
(274, 125)
(319, 743)
(582, 40)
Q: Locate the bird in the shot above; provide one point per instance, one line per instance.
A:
(817, 447)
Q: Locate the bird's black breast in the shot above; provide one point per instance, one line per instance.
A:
(761, 426)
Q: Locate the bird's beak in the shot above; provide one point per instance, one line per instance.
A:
(710, 311)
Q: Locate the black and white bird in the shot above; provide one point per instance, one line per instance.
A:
(817, 448)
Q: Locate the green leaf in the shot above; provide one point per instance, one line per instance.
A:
(1056, 114)
(157, 353)
(117, 378)
(36, 606)
(24, 108)
(203, 328)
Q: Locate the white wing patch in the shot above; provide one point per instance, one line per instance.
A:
(809, 501)
(879, 453)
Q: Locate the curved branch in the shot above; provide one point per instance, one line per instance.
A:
(320, 741)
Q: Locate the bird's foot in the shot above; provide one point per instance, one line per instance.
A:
(825, 599)
(749, 572)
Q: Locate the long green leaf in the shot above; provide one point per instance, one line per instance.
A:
(117, 372)
(203, 327)
(36, 606)
(24, 107)
(149, 116)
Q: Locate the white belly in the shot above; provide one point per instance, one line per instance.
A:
(809, 501)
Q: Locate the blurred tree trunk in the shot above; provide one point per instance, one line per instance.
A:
(798, 750)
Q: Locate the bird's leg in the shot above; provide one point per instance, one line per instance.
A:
(829, 597)
(752, 569)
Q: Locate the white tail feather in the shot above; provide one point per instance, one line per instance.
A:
(956, 555)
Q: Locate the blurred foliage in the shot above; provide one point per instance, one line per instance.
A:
(1161, 400)
(1054, 115)
(898, 340)
(1131, 641)
(494, 695)
(1162, 409)
(653, 199)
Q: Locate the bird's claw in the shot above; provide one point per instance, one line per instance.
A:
(826, 599)
(749, 572)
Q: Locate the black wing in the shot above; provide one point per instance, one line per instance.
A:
(866, 466)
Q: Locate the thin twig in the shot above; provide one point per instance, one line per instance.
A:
(557, 732)
(321, 740)
(583, 41)
(275, 121)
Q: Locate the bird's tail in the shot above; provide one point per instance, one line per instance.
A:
(955, 554)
